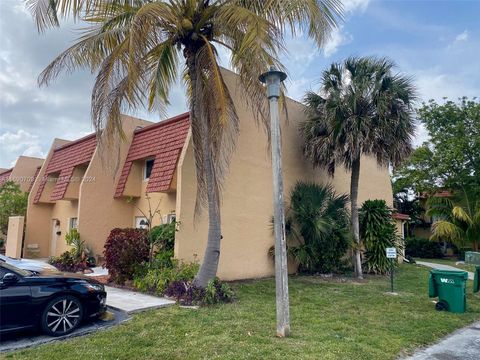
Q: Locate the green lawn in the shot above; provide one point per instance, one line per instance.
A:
(334, 319)
(466, 267)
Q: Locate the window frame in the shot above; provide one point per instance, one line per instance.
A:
(145, 178)
(70, 223)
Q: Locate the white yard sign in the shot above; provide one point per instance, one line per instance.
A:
(391, 253)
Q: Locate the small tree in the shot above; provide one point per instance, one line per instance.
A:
(13, 202)
(317, 227)
(377, 231)
(457, 219)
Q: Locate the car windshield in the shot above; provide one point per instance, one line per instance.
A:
(14, 269)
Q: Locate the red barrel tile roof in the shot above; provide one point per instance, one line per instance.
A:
(64, 161)
(163, 142)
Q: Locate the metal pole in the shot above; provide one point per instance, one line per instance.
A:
(391, 273)
(273, 79)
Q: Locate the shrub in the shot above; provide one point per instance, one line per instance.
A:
(163, 236)
(423, 248)
(317, 228)
(125, 250)
(377, 231)
(187, 293)
(154, 279)
(68, 262)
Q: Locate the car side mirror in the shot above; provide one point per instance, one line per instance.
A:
(9, 279)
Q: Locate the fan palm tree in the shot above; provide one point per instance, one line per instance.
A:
(317, 227)
(457, 220)
(362, 108)
(136, 49)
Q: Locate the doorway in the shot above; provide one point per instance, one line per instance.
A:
(54, 239)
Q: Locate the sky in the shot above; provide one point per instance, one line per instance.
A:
(436, 42)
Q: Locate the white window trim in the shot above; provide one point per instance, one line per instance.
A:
(70, 223)
(138, 218)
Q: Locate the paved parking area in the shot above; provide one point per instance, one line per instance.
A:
(31, 338)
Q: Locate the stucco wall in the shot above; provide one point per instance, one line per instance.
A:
(99, 211)
(247, 198)
(24, 171)
(39, 216)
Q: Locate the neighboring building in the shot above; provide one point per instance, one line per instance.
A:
(158, 160)
(424, 229)
(23, 173)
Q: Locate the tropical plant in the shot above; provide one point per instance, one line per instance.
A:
(135, 46)
(377, 232)
(13, 202)
(456, 219)
(362, 108)
(72, 238)
(317, 227)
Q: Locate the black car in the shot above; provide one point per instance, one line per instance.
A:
(55, 303)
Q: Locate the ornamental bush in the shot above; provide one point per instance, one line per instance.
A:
(187, 293)
(125, 250)
(68, 262)
(152, 278)
(377, 232)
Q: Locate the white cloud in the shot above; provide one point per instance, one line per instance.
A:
(20, 143)
(462, 37)
(337, 38)
(352, 5)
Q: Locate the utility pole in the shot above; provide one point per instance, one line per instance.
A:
(272, 79)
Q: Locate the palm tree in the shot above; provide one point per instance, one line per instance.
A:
(318, 227)
(457, 220)
(362, 108)
(135, 47)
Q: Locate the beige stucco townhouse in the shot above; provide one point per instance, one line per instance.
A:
(157, 160)
(23, 173)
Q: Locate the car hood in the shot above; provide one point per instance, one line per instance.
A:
(31, 265)
(62, 277)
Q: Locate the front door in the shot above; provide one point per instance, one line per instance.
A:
(54, 239)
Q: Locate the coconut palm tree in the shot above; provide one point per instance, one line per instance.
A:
(456, 219)
(136, 49)
(362, 108)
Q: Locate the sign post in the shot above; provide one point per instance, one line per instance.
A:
(391, 253)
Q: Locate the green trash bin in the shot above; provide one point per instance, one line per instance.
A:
(450, 287)
(476, 279)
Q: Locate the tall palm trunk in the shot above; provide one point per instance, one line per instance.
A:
(209, 267)
(357, 260)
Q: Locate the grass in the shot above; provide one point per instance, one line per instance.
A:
(330, 319)
(466, 267)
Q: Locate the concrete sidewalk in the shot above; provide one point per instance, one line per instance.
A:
(444, 267)
(463, 344)
(131, 301)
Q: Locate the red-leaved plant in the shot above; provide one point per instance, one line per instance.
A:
(125, 250)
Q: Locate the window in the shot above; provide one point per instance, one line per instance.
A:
(148, 168)
(141, 222)
(171, 218)
(73, 223)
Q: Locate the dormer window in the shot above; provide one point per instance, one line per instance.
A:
(148, 168)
